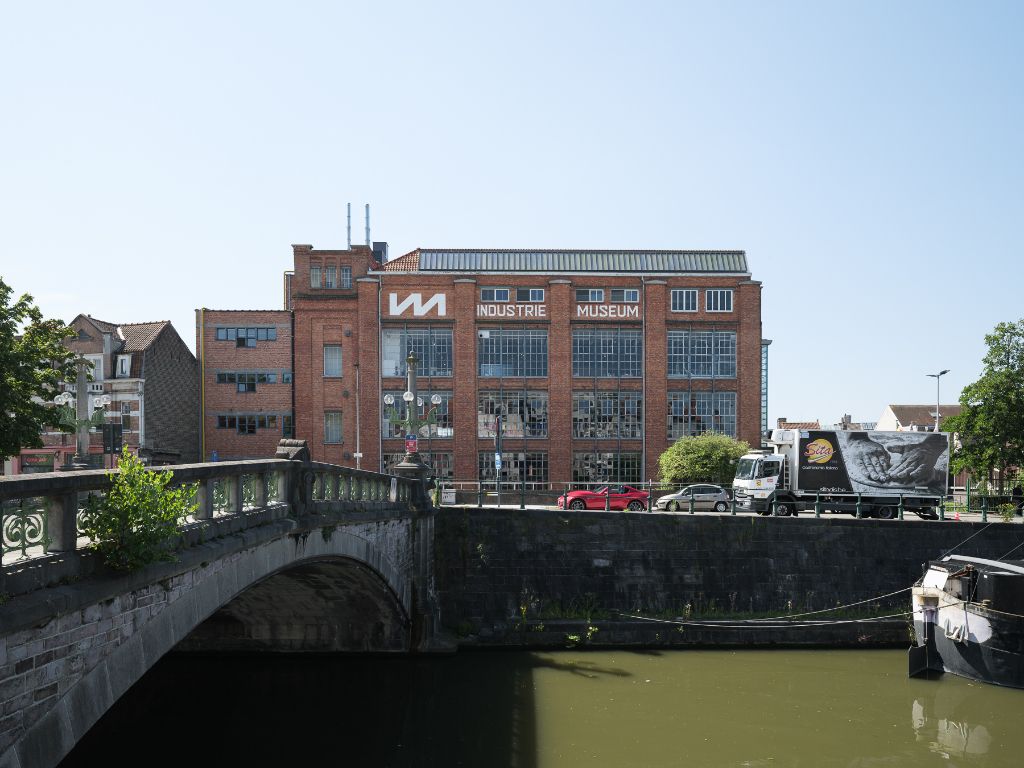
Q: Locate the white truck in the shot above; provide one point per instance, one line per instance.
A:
(845, 471)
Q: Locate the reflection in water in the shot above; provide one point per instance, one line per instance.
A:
(943, 720)
(614, 709)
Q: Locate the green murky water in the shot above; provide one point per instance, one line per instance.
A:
(613, 709)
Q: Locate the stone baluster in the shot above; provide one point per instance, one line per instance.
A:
(204, 500)
(62, 522)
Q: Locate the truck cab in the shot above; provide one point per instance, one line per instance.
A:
(759, 476)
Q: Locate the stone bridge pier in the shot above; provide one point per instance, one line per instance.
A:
(284, 555)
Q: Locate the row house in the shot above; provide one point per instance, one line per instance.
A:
(148, 378)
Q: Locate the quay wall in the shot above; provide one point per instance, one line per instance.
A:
(533, 578)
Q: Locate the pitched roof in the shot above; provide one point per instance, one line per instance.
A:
(798, 425)
(547, 261)
(921, 414)
(138, 336)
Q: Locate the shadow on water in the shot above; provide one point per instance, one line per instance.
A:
(599, 709)
(387, 712)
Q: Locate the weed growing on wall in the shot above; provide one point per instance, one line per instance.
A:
(137, 522)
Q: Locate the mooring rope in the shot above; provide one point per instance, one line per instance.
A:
(944, 554)
(759, 623)
(1012, 550)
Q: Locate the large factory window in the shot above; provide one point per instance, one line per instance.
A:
(702, 354)
(439, 417)
(694, 413)
(607, 415)
(606, 468)
(522, 414)
(433, 347)
(512, 353)
(442, 465)
(516, 468)
(607, 353)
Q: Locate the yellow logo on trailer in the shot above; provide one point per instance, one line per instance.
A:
(819, 451)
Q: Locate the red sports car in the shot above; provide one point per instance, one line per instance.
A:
(617, 497)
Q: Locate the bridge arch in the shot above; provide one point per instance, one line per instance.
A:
(337, 574)
(335, 604)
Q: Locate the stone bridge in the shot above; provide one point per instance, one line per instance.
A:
(281, 554)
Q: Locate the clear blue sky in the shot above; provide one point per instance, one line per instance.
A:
(158, 157)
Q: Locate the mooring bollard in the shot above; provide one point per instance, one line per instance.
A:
(732, 505)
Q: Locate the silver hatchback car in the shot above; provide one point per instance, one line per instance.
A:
(705, 497)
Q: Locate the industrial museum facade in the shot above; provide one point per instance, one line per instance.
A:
(584, 365)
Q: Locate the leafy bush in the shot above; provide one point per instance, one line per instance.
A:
(136, 523)
(707, 458)
(1007, 512)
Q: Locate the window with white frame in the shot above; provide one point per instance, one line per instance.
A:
(346, 277)
(314, 276)
(97, 366)
(329, 274)
(494, 294)
(124, 366)
(332, 361)
(590, 295)
(684, 299)
(625, 295)
(718, 300)
(332, 426)
(529, 294)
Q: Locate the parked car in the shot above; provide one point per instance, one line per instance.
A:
(704, 497)
(617, 496)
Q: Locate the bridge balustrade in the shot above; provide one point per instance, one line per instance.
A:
(40, 513)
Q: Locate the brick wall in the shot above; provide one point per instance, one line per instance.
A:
(224, 399)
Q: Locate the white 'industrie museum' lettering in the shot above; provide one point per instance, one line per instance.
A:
(419, 307)
(511, 310)
(607, 310)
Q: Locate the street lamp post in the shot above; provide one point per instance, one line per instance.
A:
(412, 463)
(80, 419)
(938, 399)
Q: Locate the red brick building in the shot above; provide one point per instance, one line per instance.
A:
(150, 376)
(245, 380)
(591, 362)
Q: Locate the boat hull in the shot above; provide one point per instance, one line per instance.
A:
(966, 639)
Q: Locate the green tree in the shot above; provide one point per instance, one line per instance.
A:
(137, 522)
(33, 363)
(990, 426)
(708, 458)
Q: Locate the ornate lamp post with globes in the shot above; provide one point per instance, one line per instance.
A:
(412, 463)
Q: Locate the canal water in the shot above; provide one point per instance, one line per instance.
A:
(598, 709)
